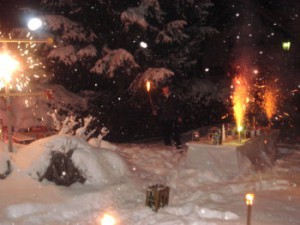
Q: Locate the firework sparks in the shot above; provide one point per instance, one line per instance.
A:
(270, 102)
(30, 65)
(240, 99)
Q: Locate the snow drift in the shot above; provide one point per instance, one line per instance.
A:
(98, 166)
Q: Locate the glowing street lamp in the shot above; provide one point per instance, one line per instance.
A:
(286, 45)
(7, 66)
(34, 24)
(249, 201)
(143, 44)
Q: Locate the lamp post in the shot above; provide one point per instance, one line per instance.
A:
(249, 201)
(7, 66)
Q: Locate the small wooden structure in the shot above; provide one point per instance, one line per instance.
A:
(157, 196)
(22, 138)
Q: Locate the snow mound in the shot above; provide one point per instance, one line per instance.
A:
(98, 166)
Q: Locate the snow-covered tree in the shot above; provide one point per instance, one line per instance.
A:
(97, 49)
(153, 75)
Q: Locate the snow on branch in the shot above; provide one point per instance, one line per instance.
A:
(68, 125)
(113, 60)
(88, 51)
(56, 123)
(138, 15)
(81, 132)
(133, 16)
(68, 29)
(96, 142)
(208, 31)
(65, 54)
(173, 32)
(155, 75)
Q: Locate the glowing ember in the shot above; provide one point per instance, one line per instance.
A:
(270, 102)
(240, 99)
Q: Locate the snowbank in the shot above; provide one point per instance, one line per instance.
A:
(98, 166)
(4, 157)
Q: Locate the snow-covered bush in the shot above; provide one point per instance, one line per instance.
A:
(103, 167)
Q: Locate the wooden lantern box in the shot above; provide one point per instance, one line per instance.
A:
(157, 196)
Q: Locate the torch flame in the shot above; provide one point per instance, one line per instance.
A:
(107, 219)
(249, 198)
(240, 99)
(148, 85)
(270, 102)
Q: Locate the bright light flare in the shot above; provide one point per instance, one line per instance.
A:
(107, 219)
(240, 99)
(249, 198)
(239, 128)
(286, 45)
(148, 86)
(270, 102)
(7, 66)
(143, 44)
(34, 24)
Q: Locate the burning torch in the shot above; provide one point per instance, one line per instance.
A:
(106, 219)
(249, 202)
(148, 87)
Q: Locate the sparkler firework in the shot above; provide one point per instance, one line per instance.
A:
(30, 66)
(270, 102)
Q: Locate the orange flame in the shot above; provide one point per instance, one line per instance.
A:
(107, 219)
(148, 85)
(240, 99)
(270, 102)
(249, 198)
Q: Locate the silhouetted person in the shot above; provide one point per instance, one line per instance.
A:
(168, 114)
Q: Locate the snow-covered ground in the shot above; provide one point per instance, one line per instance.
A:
(117, 182)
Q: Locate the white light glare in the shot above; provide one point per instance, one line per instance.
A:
(143, 44)
(34, 23)
(7, 66)
(108, 220)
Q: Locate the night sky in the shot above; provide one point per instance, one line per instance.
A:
(11, 13)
